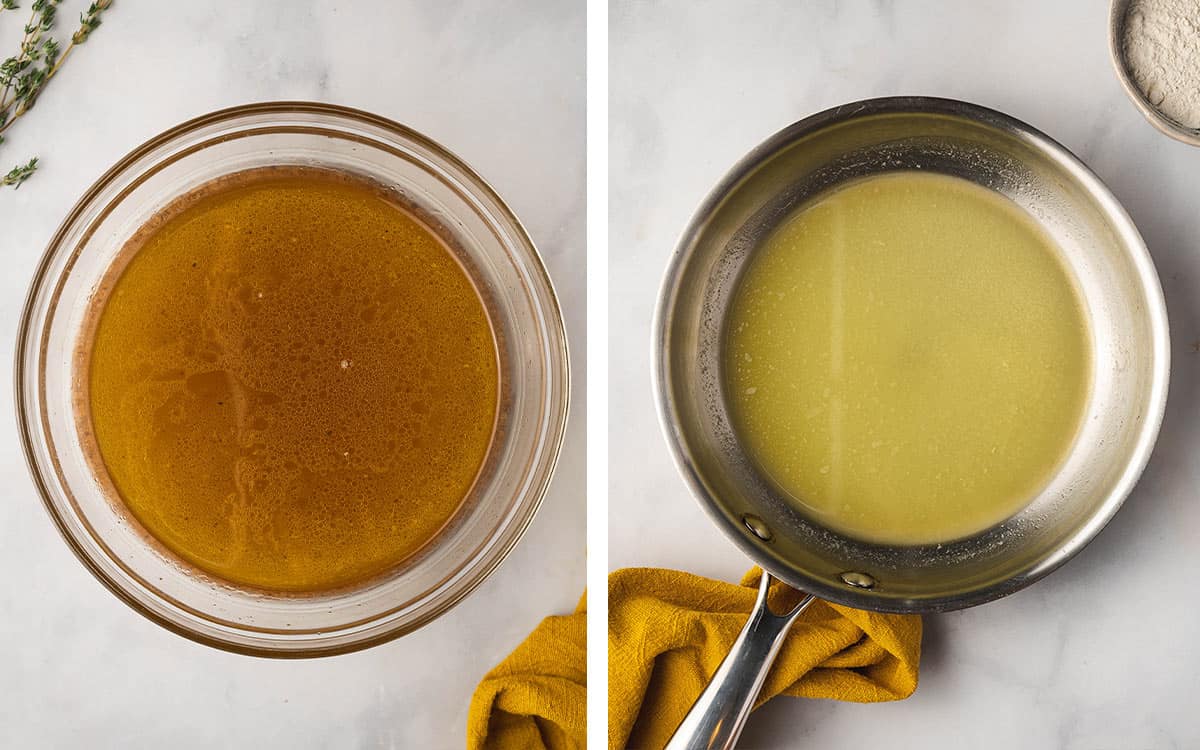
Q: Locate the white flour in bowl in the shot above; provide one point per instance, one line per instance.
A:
(1161, 46)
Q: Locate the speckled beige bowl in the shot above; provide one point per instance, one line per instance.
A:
(1116, 34)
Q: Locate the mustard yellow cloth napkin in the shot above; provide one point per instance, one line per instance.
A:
(669, 631)
(537, 697)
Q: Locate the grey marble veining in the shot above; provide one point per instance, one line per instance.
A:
(499, 84)
(1099, 654)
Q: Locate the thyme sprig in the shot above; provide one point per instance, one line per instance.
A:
(24, 75)
(20, 173)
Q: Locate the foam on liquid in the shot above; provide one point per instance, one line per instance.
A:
(293, 382)
(908, 358)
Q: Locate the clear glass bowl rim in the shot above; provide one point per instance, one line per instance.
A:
(25, 378)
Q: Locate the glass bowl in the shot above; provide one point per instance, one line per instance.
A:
(529, 332)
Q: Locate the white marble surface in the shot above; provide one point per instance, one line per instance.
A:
(1100, 654)
(501, 85)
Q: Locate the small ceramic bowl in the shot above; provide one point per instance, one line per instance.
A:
(1116, 35)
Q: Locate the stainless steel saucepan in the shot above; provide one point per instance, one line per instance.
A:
(1130, 343)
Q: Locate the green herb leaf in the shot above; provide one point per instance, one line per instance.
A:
(39, 57)
(20, 173)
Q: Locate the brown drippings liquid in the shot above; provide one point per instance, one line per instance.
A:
(293, 382)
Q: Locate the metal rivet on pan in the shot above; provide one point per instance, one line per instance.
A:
(756, 525)
(858, 580)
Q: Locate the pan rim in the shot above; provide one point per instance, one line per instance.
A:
(1131, 241)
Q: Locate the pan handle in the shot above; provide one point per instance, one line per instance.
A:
(716, 718)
